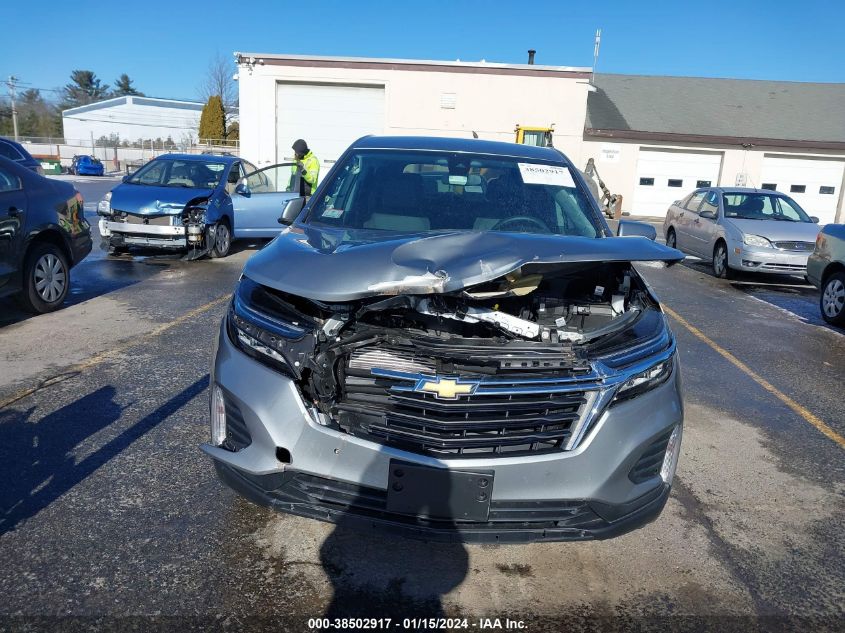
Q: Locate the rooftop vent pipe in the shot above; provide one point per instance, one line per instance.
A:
(531, 53)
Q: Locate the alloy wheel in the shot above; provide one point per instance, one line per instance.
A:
(50, 277)
(720, 261)
(223, 238)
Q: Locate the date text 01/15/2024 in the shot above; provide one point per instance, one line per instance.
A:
(416, 624)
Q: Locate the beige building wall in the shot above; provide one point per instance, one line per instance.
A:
(489, 104)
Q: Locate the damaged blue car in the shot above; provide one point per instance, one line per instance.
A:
(198, 204)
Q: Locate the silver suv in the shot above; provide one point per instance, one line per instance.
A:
(448, 342)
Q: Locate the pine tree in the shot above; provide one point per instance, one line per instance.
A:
(123, 87)
(213, 120)
(84, 88)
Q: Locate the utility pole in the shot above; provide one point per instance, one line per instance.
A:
(12, 84)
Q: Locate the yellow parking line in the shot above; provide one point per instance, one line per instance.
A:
(765, 384)
(88, 363)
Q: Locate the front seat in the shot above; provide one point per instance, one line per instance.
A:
(399, 207)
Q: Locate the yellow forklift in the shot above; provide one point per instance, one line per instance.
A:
(539, 136)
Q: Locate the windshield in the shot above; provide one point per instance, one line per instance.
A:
(763, 206)
(194, 174)
(434, 191)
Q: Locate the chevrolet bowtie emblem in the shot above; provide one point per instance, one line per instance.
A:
(445, 388)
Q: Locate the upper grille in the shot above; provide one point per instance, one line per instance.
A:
(501, 416)
(796, 246)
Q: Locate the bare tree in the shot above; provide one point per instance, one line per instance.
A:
(218, 81)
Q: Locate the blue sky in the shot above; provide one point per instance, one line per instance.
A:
(165, 46)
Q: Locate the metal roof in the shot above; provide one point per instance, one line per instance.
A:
(137, 100)
(725, 110)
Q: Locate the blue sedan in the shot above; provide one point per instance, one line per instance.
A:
(85, 165)
(196, 203)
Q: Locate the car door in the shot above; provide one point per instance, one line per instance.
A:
(687, 214)
(702, 230)
(13, 204)
(259, 198)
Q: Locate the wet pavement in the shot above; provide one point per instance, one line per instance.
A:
(111, 517)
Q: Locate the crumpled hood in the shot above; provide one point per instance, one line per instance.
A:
(778, 230)
(333, 265)
(149, 200)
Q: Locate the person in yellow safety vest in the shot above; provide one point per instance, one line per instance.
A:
(309, 166)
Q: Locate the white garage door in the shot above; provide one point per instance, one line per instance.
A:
(813, 183)
(664, 176)
(328, 117)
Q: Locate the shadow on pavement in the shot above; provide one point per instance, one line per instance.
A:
(379, 575)
(38, 460)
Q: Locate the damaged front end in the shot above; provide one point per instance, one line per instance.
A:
(524, 364)
(168, 226)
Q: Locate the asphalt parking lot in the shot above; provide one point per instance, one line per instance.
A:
(112, 516)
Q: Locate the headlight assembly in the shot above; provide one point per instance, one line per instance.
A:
(757, 240)
(264, 336)
(646, 380)
(104, 206)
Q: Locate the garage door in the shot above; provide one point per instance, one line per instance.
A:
(813, 183)
(328, 117)
(664, 176)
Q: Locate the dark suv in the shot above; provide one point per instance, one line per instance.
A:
(44, 234)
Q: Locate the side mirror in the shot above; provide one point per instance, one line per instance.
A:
(814, 219)
(293, 208)
(629, 228)
(125, 178)
(242, 187)
(708, 215)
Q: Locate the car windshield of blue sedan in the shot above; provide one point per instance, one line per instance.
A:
(194, 174)
(409, 191)
(763, 206)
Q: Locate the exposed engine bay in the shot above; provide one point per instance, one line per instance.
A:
(350, 359)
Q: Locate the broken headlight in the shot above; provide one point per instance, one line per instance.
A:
(104, 206)
(262, 335)
(646, 380)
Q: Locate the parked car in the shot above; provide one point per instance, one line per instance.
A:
(198, 203)
(826, 271)
(43, 234)
(752, 230)
(15, 151)
(84, 165)
(449, 342)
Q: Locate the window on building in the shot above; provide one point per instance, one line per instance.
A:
(647, 182)
(769, 185)
(826, 190)
(675, 182)
(797, 188)
(702, 183)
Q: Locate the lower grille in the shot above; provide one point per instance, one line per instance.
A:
(651, 461)
(326, 493)
(501, 416)
(792, 268)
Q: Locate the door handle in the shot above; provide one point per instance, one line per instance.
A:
(681, 214)
(14, 212)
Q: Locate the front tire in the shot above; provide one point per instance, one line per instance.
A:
(222, 239)
(671, 239)
(720, 262)
(832, 299)
(46, 279)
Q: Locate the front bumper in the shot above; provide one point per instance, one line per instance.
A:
(585, 493)
(769, 260)
(129, 234)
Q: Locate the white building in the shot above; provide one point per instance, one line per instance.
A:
(133, 118)
(654, 139)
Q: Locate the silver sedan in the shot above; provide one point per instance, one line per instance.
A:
(753, 230)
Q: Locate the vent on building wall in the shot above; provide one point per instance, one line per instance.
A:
(448, 100)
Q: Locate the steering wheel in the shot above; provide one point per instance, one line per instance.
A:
(521, 218)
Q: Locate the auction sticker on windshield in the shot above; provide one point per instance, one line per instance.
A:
(534, 174)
